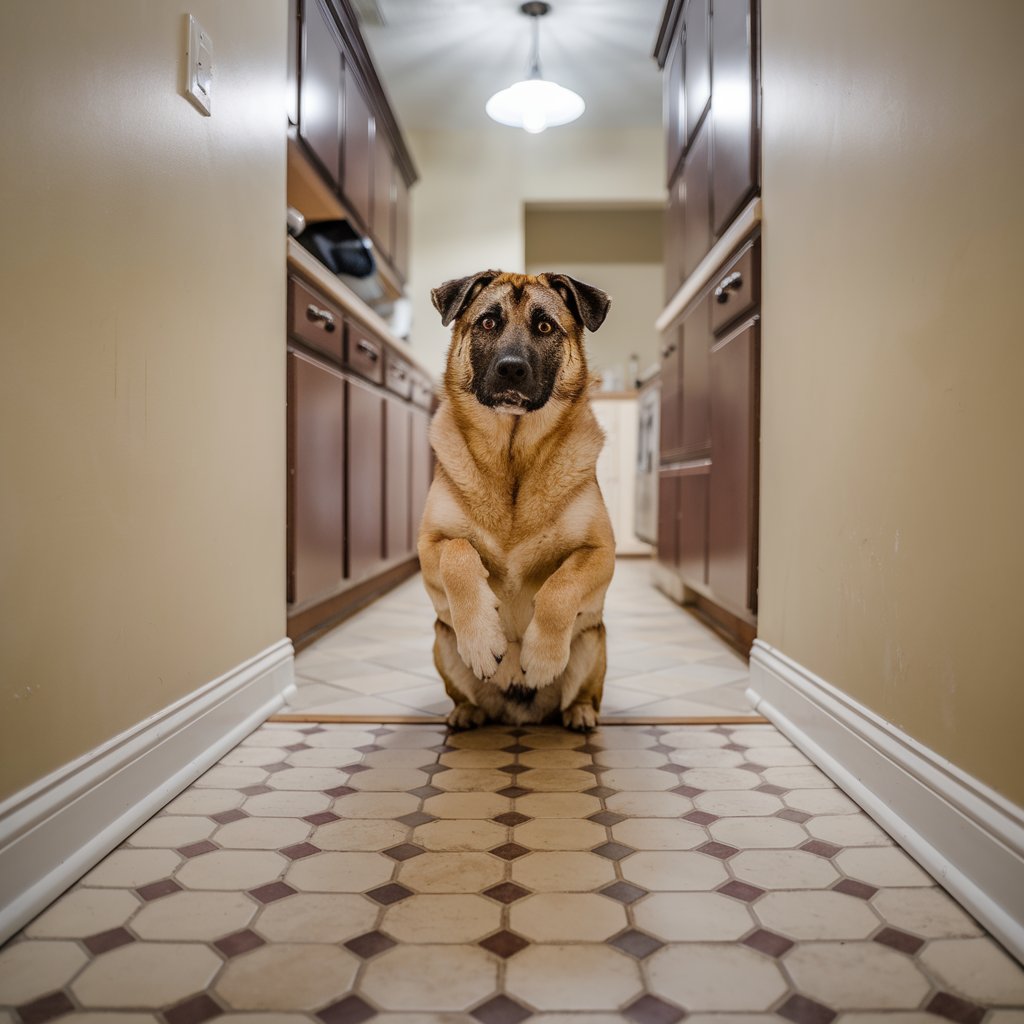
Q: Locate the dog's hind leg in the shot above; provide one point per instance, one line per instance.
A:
(583, 680)
(452, 670)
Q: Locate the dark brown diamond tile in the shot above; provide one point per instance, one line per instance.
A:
(613, 851)
(309, 730)
(513, 791)
(103, 942)
(624, 892)
(802, 1010)
(322, 818)
(504, 944)
(749, 766)
(339, 791)
(45, 1008)
(500, 1010)
(416, 818)
(506, 892)
(370, 944)
(368, 748)
(687, 791)
(945, 1004)
(637, 944)
(852, 887)
(297, 746)
(515, 748)
(423, 792)
(701, 817)
(904, 942)
(442, 748)
(821, 849)
(350, 1010)
(767, 787)
(271, 892)
(277, 766)
(390, 893)
(513, 769)
(509, 851)
(355, 769)
(790, 815)
(404, 851)
(607, 818)
(226, 817)
(734, 747)
(154, 890)
(601, 792)
(195, 1010)
(673, 768)
(255, 790)
(651, 1010)
(433, 769)
(299, 850)
(382, 730)
(511, 818)
(594, 769)
(741, 891)
(720, 850)
(660, 748)
(197, 849)
(240, 942)
(768, 942)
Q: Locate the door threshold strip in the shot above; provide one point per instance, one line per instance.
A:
(315, 719)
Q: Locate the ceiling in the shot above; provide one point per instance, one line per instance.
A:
(442, 59)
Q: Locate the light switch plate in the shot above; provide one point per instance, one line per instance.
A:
(199, 66)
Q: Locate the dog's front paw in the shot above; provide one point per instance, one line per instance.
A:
(581, 717)
(545, 655)
(482, 644)
(466, 716)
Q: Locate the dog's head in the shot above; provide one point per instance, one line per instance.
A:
(517, 340)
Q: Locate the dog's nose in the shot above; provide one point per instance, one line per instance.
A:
(513, 370)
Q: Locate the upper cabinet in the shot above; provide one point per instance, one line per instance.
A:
(351, 154)
(708, 51)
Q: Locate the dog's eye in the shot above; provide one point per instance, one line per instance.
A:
(488, 323)
(544, 327)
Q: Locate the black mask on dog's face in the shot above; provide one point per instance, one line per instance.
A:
(521, 331)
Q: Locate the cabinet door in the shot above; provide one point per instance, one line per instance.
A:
(670, 393)
(695, 426)
(734, 156)
(365, 480)
(320, 88)
(357, 149)
(697, 71)
(422, 468)
(668, 520)
(400, 226)
(673, 241)
(693, 524)
(673, 109)
(397, 478)
(697, 201)
(732, 530)
(383, 195)
(316, 486)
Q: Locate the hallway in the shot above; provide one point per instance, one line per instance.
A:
(351, 872)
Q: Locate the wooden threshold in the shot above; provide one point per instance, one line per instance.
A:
(312, 719)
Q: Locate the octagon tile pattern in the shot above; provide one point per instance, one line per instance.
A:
(473, 879)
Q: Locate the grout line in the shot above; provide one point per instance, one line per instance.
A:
(325, 719)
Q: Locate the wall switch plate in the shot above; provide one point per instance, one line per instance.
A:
(199, 66)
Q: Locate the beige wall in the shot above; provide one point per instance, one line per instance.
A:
(469, 206)
(893, 359)
(142, 387)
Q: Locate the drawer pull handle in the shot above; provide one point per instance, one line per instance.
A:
(322, 316)
(668, 350)
(368, 350)
(732, 282)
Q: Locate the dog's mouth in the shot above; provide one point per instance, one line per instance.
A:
(513, 402)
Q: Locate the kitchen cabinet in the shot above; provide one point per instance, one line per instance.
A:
(422, 468)
(358, 149)
(383, 193)
(697, 68)
(671, 413)
(398, 478)
(364, 520)
(320, 88)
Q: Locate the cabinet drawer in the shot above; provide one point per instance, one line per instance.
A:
(422, 391)
(398, 376)
(737, 289)
(314, 320)
(363, 353)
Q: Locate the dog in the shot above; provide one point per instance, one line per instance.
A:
(515, 543)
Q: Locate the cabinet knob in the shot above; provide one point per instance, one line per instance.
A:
(320, 316)
(731, 282)
(368, 350)
(668, 350)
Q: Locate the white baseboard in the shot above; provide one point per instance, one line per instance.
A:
(967, 836)
(55, 830)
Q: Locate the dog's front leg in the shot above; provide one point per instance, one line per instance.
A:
(479, 638)
(578, 584)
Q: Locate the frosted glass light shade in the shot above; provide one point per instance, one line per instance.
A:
(535, 104)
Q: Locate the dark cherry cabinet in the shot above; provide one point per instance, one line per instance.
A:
(316, 484)
(397, 478)
(733, 108)
(357, 149)
(693, 386)
(365, 478)
(697, 68)
(696, 191)
(422, 468)
(320, 88)
(383, 193)
(671, 412)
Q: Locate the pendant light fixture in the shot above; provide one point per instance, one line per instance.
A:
(535, 103)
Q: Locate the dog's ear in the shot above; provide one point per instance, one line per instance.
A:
(452, 297)
(588, 304)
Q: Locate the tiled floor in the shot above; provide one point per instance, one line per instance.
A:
(343, 873)
(661, 661)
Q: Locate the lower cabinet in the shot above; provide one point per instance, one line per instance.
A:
(397, 478)
(364, 524)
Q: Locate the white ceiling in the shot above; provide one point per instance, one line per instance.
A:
(442, 59)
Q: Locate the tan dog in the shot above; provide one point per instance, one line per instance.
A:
(515, 544)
